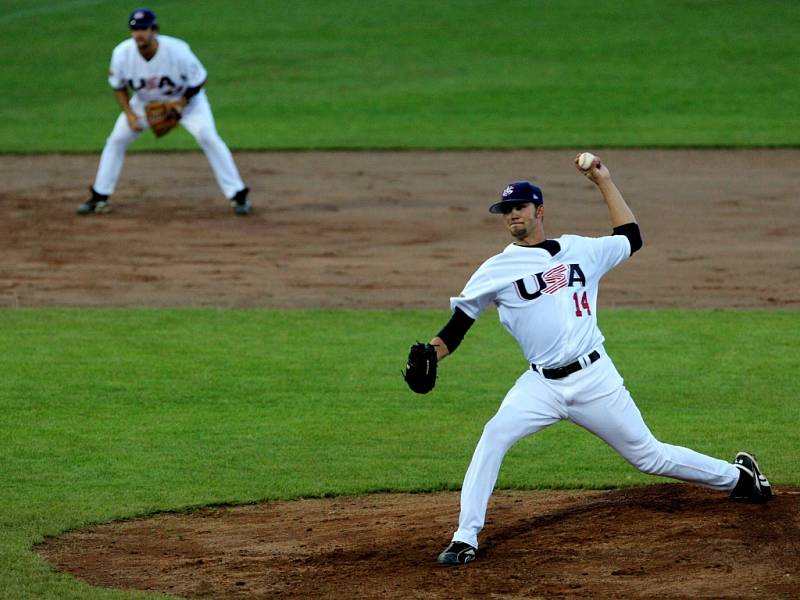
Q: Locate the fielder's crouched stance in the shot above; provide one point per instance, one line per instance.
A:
(546, 294)
(167, 80)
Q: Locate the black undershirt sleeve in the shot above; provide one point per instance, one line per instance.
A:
(455, 330)
(192, 91)
(630, 231)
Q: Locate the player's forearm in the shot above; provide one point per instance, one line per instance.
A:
(618, 209)
(451, 335)
(441, 348)
(123, 100)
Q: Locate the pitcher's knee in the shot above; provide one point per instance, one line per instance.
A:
(652, 460)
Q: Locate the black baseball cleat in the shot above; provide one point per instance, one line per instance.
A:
(97, 204)
(240, 204)
(752, 485)
(457, 553)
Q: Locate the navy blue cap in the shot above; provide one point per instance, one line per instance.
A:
(518, 193)
(143, 18)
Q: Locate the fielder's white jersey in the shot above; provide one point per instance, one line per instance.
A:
(547, 302)
(164, 77)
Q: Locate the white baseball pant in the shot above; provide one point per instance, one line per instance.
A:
(197, 119)
(596, 399)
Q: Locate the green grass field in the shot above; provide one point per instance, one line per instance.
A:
(415, 73)
(113, 413)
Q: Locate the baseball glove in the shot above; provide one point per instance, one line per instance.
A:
(162, 116)
(420, 373)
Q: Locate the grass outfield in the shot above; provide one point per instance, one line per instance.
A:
(113, 413)
(415, 73)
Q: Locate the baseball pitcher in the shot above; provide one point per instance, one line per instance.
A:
(545, 291)
(167, 81)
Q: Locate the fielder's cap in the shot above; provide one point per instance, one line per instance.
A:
(143, 18)
(518, 192)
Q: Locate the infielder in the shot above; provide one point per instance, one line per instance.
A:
(546, 295)
(160, 69)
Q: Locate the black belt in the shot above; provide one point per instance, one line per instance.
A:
(561, 372)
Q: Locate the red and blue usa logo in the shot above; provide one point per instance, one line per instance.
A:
(552, 280)
(555, 278)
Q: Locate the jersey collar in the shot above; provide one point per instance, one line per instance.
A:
(551, 246)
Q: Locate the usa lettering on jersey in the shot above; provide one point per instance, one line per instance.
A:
(550, 281)
(164, 83)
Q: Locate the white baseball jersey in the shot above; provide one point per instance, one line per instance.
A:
(547, 302)
(164, 77)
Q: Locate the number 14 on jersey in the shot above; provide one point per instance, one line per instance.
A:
(583, 303)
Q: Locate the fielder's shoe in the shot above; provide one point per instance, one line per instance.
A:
(752, 485)
(457, 553)
(240, 204)
(97, 204)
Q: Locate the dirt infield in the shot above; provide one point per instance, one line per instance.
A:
(662, 541)
(389, 229)
(405, 230)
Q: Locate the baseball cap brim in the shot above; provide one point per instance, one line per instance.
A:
(497, 207)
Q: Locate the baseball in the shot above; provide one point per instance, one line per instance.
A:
(585, 160)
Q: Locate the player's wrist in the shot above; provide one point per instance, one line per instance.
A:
(606, 185)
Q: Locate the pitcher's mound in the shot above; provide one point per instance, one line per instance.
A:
(660, 541)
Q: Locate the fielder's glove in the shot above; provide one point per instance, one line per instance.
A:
(162, 116)
(420, 373)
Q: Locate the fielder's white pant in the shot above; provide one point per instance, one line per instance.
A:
(197, 119)
(596, 399)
